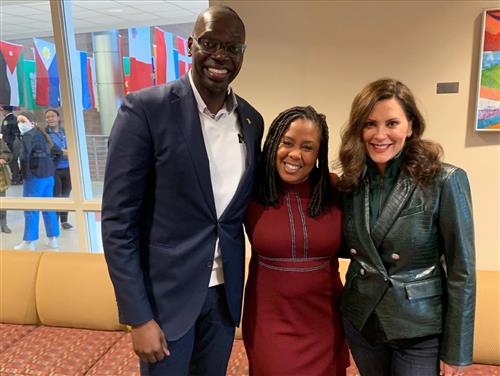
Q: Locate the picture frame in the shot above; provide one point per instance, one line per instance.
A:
(488, 95)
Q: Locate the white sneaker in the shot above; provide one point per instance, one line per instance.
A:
(26, 245)
(53, 243)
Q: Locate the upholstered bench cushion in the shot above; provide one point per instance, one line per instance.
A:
(74, 290)
(119, 360)
(57, 351)
(18, 272)
(10, 334)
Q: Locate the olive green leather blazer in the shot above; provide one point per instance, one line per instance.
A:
(416, 267)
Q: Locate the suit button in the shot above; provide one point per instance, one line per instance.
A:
(362, 271)
(353, 251)
(210, 264)
(395, 256)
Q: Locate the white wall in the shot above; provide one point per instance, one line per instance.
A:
(322, 53)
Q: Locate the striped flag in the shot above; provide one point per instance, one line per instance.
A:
(10, 65)
(185, 61)
(165, 63)
(92, 82)
(47, 77)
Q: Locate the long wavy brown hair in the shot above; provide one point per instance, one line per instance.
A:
(422, 158)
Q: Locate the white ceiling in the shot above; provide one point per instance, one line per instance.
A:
(29, 18)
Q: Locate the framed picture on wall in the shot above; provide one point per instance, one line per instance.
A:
(488, 96)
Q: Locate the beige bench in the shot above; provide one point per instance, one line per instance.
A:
(58, 315)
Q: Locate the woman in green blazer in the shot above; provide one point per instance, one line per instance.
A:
(409, 296)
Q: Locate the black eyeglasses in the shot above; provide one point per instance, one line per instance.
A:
(212, 46)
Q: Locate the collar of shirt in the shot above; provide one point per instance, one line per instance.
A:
(229, 105)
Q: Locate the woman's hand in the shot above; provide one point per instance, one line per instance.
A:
(450, 370)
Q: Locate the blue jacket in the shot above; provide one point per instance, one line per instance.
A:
(159, 221)
(35, 157)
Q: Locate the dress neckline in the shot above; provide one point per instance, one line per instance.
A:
(303, 188)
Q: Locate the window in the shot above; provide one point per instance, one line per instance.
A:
(100, 51)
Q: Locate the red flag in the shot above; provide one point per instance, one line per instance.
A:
(10, 89)
(161, 57)
(184, 60)
(139, 45)
(90, 79)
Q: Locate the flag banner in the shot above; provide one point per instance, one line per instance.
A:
(92, 82)
(86, 98)
(141, 70)
(29, 84)
(185, 61)
(126, 74)
(20, 81)
(10, 59)
(47, 77)
(165, 63)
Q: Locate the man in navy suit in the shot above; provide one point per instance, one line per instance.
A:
(179, 176)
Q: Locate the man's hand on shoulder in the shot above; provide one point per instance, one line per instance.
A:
(149, 342)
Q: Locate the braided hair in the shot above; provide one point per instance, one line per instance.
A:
(268, 181)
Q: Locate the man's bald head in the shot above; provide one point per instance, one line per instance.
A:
(214, 12)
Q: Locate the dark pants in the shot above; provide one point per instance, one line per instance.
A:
(17, 178)
(205, 348)
(413, 357)
(62, 188)
(3, 213)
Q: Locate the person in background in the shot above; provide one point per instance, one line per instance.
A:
(38, 170)
(5, 179)
(178, 180)
(11, 136)
(291, 318)
(409, 296)
(62, 184)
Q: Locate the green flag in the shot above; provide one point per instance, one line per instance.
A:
(29, 80)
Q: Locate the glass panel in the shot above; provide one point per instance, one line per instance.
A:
(94, 226)
(42, 228)
(33, 134)
(126, 47)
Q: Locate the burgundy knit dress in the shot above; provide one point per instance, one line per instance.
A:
(291, 317)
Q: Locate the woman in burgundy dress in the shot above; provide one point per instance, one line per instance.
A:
(291, 317)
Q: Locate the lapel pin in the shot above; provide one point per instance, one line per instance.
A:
(248, 121)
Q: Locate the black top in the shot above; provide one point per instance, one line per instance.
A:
(10, 130)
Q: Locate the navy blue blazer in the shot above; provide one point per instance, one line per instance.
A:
(159, 222)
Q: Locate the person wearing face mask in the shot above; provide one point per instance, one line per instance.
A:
(62, 186)
(38, 171)
(409, 296)
(291, 316)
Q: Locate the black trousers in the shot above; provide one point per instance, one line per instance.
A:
(62, 188)
(14, 165)
(3, 213)
(412, 357)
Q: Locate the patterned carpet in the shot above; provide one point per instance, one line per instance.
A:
(238, 365)
(50, 351)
